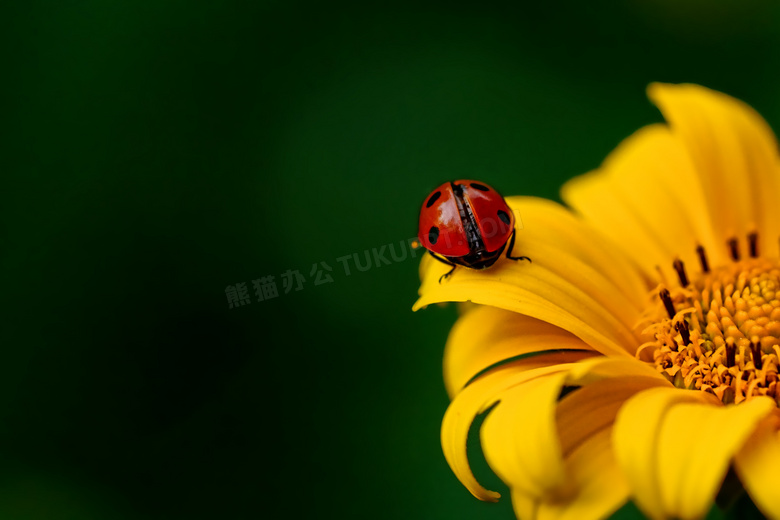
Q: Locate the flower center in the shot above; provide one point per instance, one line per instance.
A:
(720, 332)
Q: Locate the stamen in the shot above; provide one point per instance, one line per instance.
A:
(734, 249)
(755, 350)
(682, 328)
(705, 267)
(680, 268)
(753, 241)
(667, 299)
(731, 352)
(720, 333)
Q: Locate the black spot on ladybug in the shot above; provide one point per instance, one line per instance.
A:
(480, 187)
(503, 216)
(433, 235)
(433, 199)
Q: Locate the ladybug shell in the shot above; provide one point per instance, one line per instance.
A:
(465, 217)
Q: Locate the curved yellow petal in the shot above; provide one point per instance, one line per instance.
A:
(600, 486)
(594, 406)
(590, 483)
(596, 369)
(525, 506)
(711, 175)
(562, 286)
(475, 399)
(487, 335)
(519, 438)
(647, 200)
(697, 471)
(735, 155)
(675, 447)
(757, 464)
(526, 437)
(556, 226)
(636, 444)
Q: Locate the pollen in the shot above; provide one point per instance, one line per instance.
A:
(718, 331)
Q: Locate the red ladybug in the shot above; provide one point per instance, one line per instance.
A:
(467, 223)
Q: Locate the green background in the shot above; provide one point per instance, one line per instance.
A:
(156, 152)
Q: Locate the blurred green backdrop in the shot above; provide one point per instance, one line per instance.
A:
(156, 152)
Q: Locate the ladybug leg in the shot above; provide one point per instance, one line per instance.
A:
(444, 261)
(511, 247)
(447, 274)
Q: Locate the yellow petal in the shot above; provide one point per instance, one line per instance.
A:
(735, 155)
(594, 407)
(636, 443)
(646, 198)
(590, 484)
(596, 369)
(527, 434)
(520, 442)
(600, 486)
(563, 286)
(757, 465)
(488, 335)
(675, 447)
(709, 176)
(474, 399)
(553, 223)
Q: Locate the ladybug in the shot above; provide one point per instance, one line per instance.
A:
(467, 223)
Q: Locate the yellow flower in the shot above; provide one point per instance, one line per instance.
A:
(636, 358)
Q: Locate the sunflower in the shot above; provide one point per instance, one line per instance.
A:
(636, 359)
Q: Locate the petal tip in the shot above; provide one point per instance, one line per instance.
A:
(489, 496)
(658, 91)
